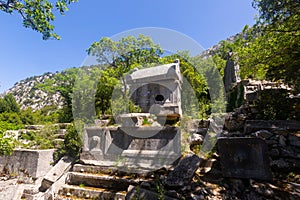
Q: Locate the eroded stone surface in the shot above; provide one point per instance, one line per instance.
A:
(157, 89)
(140, 146)
(271, 125)
(184, 171)
(27, 163)
(56, 172)
(244, 158)
(140, 193)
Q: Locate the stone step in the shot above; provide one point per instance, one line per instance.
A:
(83, 192)
(101, 181)
(95, 169)
(112, 169)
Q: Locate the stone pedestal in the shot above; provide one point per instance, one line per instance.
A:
(141, 147)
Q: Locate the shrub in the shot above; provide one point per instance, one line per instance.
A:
(72, 144)
(6, 145)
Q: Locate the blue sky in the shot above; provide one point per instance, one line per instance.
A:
(23, 53)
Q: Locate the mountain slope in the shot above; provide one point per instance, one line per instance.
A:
(29, 93)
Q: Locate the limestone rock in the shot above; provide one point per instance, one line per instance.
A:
(234, 121)
(294, 140)
(282, 140)
(184, 171)
(140, 193)
(28, 94)
(195, 139)
(264, 134)
(280, 164)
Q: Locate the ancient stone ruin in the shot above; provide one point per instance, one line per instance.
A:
(138, 160)
(132, 146)
(157, 90)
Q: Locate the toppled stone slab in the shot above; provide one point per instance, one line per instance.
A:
(56, 172)
(271, 125)
(207, 165)
(52, 192)
(184, 171)
(244, 158)
(140, 193)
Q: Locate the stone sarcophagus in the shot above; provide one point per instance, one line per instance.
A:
(157, 89)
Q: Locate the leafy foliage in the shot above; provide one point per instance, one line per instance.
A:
(270, 49)
(43, 139)
(37, 14)
(126, 52)
(273, 12)
(195, 97)
(274, 105)
(8, 104)
(72, 144)
(6, 145)
(119, 57)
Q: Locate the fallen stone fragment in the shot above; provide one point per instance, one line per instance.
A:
(264, 134)
(140, 193)
(184, 171)
(56, 172)
(294, 140)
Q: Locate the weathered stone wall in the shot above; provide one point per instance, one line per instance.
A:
(268, 100)
(281, 136)
(28, 163)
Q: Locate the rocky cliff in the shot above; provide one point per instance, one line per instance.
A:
(30, 93)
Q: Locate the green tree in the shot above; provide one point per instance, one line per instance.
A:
(37, 14)
(126, 52)
(63, 83)
(8, 104)
(105, 87)
(12, 105)
(29, 117)
(271, 49)
(120, 57)
(67, 79)
(3, 105)
(278, 12)
(83, 96)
